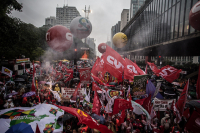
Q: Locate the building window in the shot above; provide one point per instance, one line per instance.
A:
(181, 17)
(176, 20)
(186, 26)
(172, 21)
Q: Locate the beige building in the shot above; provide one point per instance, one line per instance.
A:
(124, 18)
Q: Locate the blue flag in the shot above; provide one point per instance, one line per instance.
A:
(151, 89)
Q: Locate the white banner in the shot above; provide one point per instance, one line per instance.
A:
(56, 95)
(68, 92)
(45, 115)
(6, 71)
(162, 104)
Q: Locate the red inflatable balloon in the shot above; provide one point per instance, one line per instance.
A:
(59, 38)
(194, 16)
(102, 47)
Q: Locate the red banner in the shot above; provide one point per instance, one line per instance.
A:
(113, 63)
(180, 104)
(169, 73)
(154, 68)
(131, 69)
(85, 75)
(86, 119)
(193, 123)
(121, 104)
(96, 103)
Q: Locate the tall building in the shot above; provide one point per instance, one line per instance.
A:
(90, 42)
(124, 18)
(65, 14)
(135, 5)
(115, 29)
(50, 21)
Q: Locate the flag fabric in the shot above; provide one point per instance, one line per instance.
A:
(109, 105)
(100, 67)
(69, 76)
(113, 63)
(86, 119)
(129, 94)
(186, 113)
(56, 95)
(94, 71)
(147, 104)
(140, 101)
(157, 90)
(153, 113)
(121, 104)
(173, 108)
(122, 117)
(193, 123)
(158, 114)
(131, 69)
(198, 85)
(6, 71)
(98, 80)
(95, 87)
(96, 103)
(33, 80)
(75, 94)
(169, 73)
(37, 129)
(112, 93)
(85, 75)
(151, 89)
(154, 68)
(180, 104)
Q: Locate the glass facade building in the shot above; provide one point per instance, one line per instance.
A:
(159, 21)
(135, 5)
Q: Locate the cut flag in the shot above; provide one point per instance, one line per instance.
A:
(85, 75)
(121, 104)
(169, 73)
(113, 63)
(193, 123)
(96, 103)
(180, 104)
(95, 87)
(147, 104)
(86, 119)
(154, 68)
(122, 117)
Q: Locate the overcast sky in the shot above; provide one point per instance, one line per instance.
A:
(105, 13)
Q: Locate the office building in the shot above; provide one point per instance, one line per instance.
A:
(65, 14)
(134, 6)
(124, 18)
(90, 42)
(115, 29)
(50, 21)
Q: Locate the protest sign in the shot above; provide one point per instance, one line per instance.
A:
(162, 104)
(6, 71)
(139, 84)
(68, 92)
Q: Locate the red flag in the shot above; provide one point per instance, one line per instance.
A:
(173, 108)
(121, 104)
(140, 101)
(130, 69)
(122, 117)
(198, 85)
(96, 103)
(95, 87)
(100, 67)
(193, 123)
(147, 104)
(60, 63)
(86, 119)
(186, 113)
(98, 80)
(33, 80)
(154, 68)
(129, 95)
(69, 76)
(113, 63)
(180, 104)
(76, 91)
(85, 75)
(94, 71)
(169, 73)
(37, 129)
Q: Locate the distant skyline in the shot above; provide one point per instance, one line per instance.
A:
(105, 14)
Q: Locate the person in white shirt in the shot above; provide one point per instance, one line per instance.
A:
(9, 104)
